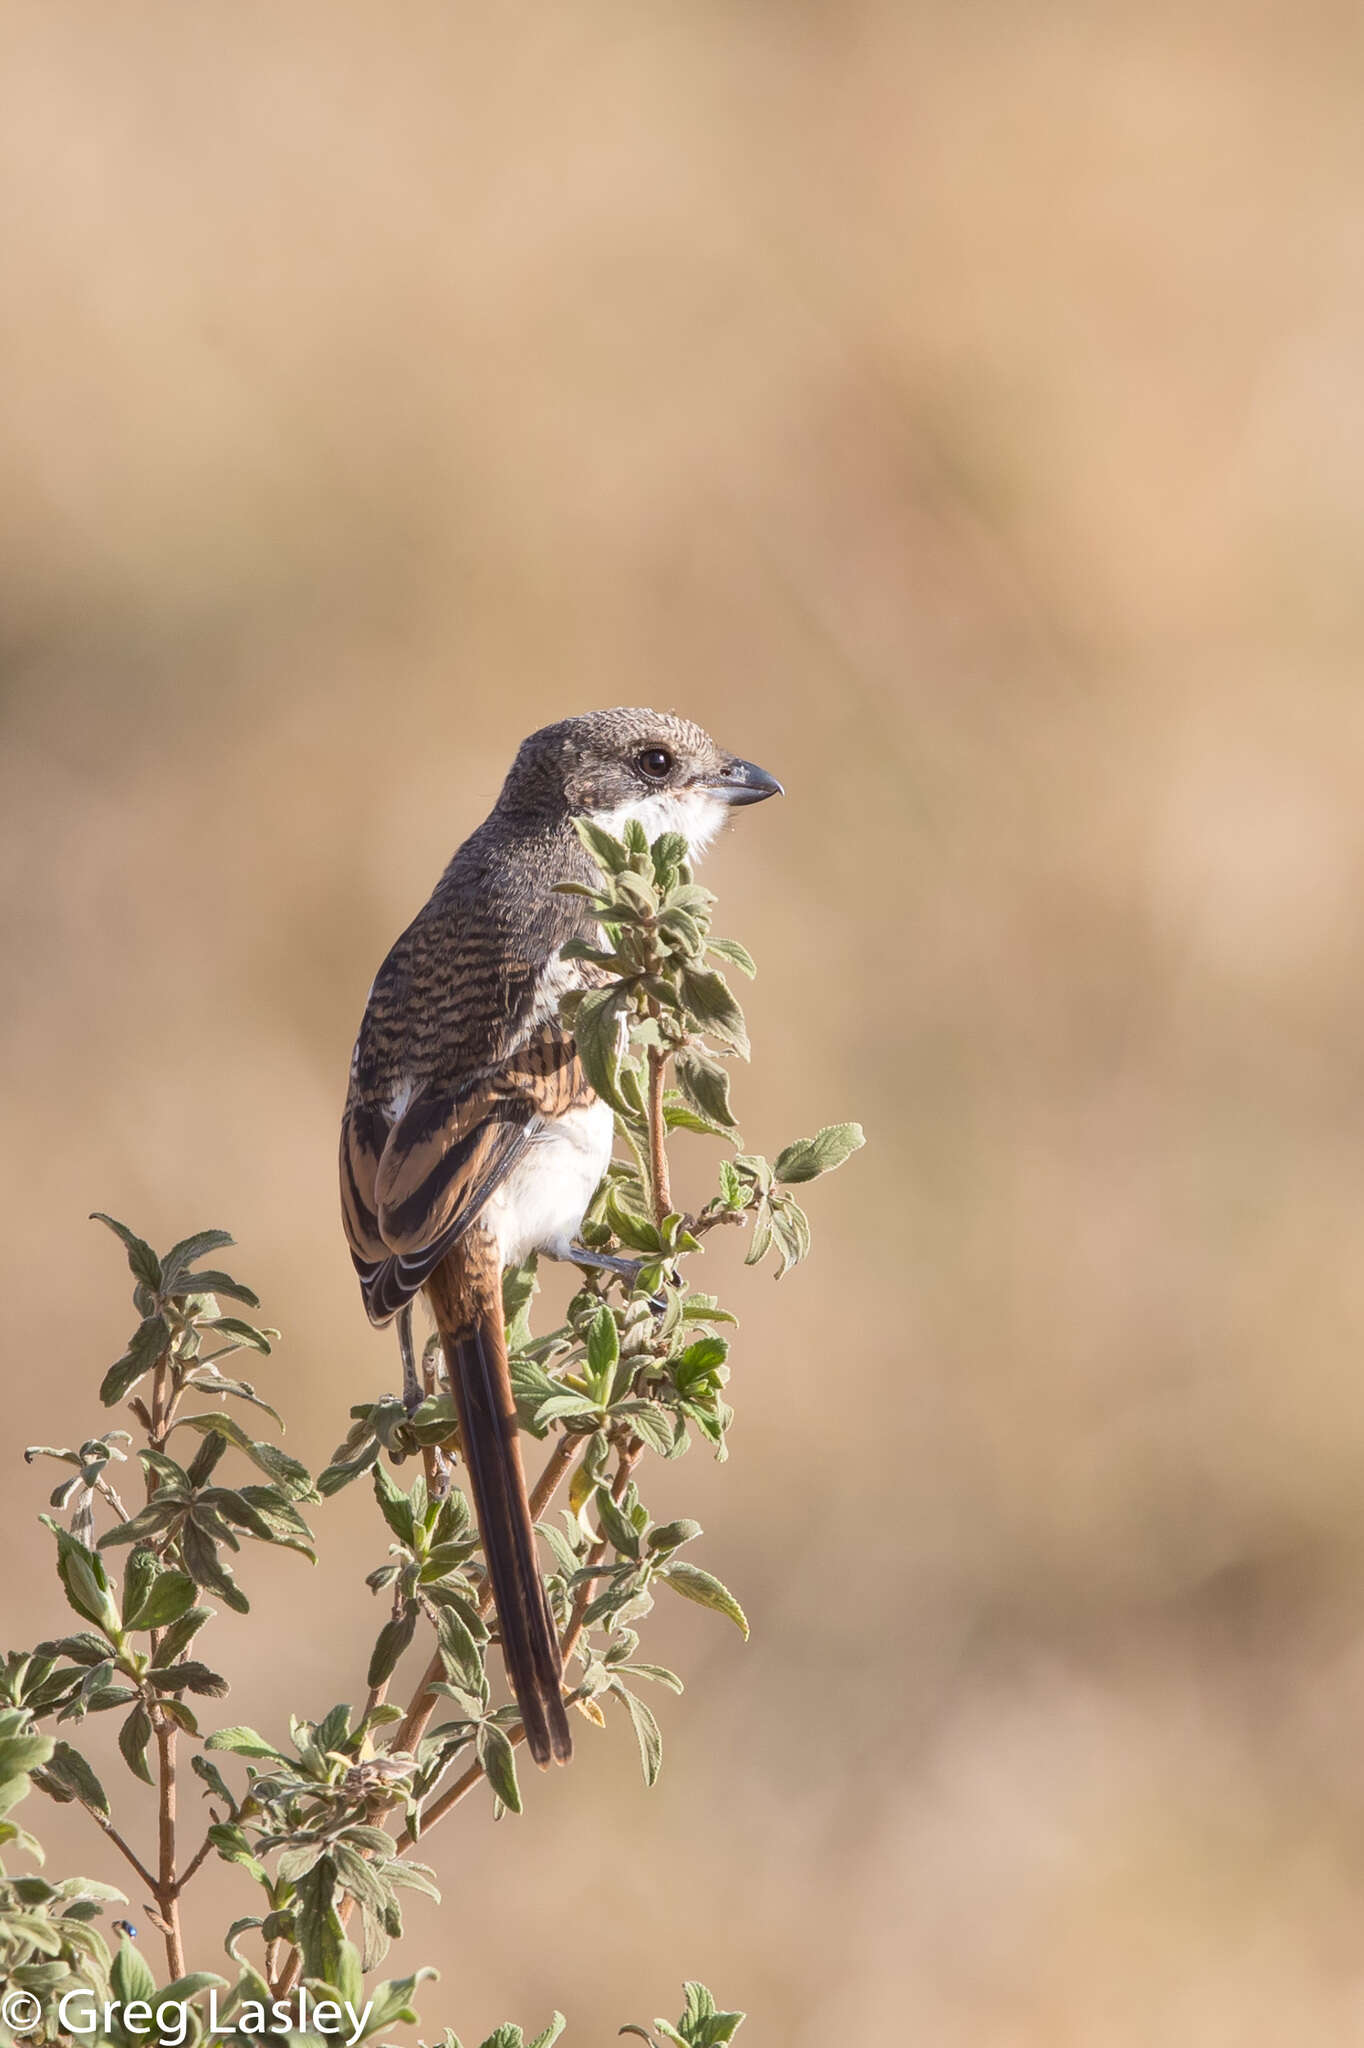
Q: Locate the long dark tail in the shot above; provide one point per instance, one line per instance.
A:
(466, 1297)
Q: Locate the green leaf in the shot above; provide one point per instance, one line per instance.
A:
(672, 1535)
(149, 1521)
(277, 1465)
(629, 1225)
(498, 1759)
(603, 1350)
(459, 1652)
(320, 1934)
(142, 1260)
(349, 1980)
(187, 1253)
(244, 1741)
(596, 1033)
(791, 1230)
(210, 1281)
(69, 1767)
(142, 1568)
(669, 850)
(761, 1241)
(148, 1343)
(133, 1739)
(607, 851)
(705, 1083)
(181, 1633)
(699, 1362)
(392, 2002)
(395, 1506)
(206, 1568)
(85, 1581)
(707, 1591)
(246, 1334)
(647, 1733)
(519, 1286)
(393, 1639)
(551, 2032)
(130, 1976)
(616, 1525)
(189, 1676)
(659, 1673)
(651, 1423)
(679, 1116)
(730, 949)
(182, 1989)
(168, 1598)
(341, 1472)
(710, 1002)
(808, 1157)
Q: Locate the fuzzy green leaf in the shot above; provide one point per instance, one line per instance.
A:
(169, 1596)
(142, 1260)
(705, 1083)
(393, 1639)
(647, 1733)
(147, 1344)
(69, 1767)
(808, 1157)
(498, 1759)
(706, 1590)
(596, 1033)
(710, 1003)
(133, 1739)
(244, 1741)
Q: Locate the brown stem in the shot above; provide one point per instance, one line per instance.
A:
(448, 1800)
(566, 1448)
(699, 1225)
(466, 1782)
(629, 1454)
(157, 1430)
(423, 1704)
(198, 1857)
(165, 1886)
(116, 1838)
(660, 1181)
(167, 1890)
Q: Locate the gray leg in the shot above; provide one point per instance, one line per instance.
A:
(604, 1262)
(609, 1262)
(412, 1386)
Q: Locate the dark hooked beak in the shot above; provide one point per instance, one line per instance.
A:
(744, 782)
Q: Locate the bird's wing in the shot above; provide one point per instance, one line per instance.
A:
(411, 1188)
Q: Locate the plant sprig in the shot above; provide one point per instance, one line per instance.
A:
(324, 1826)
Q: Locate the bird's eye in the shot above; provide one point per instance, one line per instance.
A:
(654, 762)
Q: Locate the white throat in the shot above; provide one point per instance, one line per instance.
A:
(695, 813)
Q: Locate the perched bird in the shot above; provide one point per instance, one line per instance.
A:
(471, 1137)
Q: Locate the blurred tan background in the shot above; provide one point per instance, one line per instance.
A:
(959, 410)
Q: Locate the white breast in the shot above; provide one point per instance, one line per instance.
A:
(694, 813)
(540, 1205)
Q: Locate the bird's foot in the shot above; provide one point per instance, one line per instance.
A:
(412, 1386)
(610, 1262)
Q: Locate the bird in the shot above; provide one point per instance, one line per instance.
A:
(471, 1137)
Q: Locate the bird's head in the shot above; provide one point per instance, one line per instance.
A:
(630, 763)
